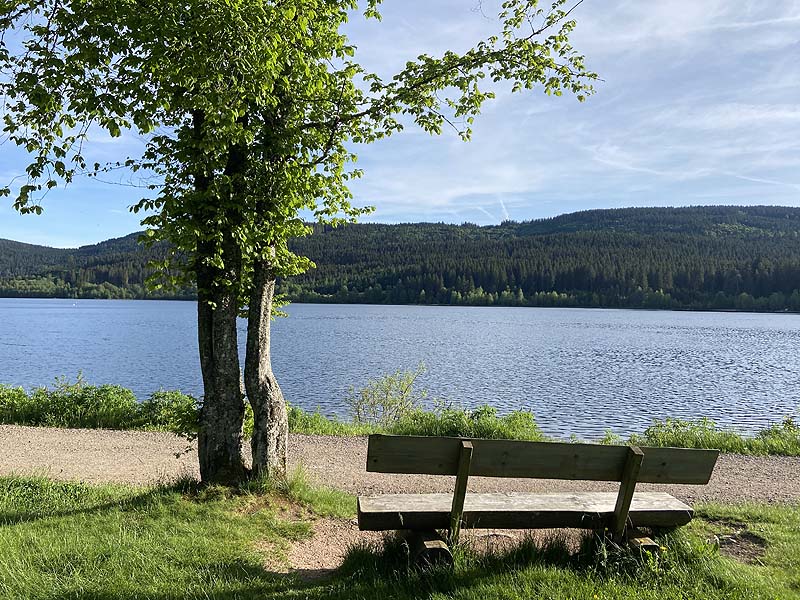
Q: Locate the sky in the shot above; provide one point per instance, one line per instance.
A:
(698, 103)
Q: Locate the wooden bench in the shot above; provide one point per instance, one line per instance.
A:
(628, 465)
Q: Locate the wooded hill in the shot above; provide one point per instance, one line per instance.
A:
(720, 257)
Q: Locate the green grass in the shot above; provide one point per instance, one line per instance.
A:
(687, 568)
(313, 423)
(322, 501)
(779, 439)
(483, 422)
(68, 540)
(80, 405)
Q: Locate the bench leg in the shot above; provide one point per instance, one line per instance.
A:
(632, 538)
(428, 548)
(639, 539)
(619, 521)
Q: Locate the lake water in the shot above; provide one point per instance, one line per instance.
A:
(579, 371)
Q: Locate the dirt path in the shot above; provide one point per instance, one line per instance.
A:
(145, 457)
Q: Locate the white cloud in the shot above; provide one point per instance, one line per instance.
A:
(733, 115)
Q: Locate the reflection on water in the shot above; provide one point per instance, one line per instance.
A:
(579, 371)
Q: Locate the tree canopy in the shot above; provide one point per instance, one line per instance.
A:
(250, 109)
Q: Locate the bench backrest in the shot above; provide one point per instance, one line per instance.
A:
(540, 460)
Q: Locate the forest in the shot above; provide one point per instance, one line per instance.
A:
(710, 257)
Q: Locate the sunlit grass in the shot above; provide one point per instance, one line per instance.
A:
(62, 540)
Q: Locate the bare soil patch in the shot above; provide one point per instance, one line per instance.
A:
(737, 541)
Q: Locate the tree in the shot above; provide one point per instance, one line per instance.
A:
(250, 108)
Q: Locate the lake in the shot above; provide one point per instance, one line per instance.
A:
(581, 371)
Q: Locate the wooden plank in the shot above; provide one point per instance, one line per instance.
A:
(543, 460)
(626, 488)
(585, 510)
(464, 461)
(677, 465)
(429, 549)
(643, 543)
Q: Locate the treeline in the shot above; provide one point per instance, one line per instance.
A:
(737, 258)
(744, 258)
(114, 269)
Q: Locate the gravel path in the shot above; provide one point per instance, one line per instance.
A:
(146, 457)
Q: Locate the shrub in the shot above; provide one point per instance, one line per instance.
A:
(611, 439)
(313, 423)
(247, 425)
(170, 411)
(779, 439)
(782, 438)
(80, 405)
(14, 404)
(77, 404)
(701, 433)
(386, 400)
(482, 422)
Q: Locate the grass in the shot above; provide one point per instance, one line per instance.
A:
(779, 439)
(447, 421)
(80, 405)
(322, 501)
(68, 540)
(687, 568)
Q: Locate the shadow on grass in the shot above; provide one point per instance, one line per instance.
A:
(28, 498)
(387, 571)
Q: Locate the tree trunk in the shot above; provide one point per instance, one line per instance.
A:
(220, 439)
(270, 420)
(219, 442)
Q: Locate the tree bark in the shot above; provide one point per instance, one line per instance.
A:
(219, 443)
(220, 438)
(270, 419)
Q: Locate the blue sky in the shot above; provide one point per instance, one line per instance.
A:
(699, 104)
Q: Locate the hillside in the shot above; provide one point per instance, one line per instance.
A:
(116, 268)
(718, 257)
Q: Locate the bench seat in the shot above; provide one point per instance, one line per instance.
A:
(584, 510)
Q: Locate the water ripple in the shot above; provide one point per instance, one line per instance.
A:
(580, 371)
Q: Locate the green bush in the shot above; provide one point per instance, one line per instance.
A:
(81, 405)
(386, 400)
(782, 438)
(392, 404)
(482, 422)
(701, 433)
(386, 405)
(247, 426)
(301, 421)
(170, 411)
(779, 439)
(14, 404)
(77, 404)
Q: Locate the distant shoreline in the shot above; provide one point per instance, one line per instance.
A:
(638, 308)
